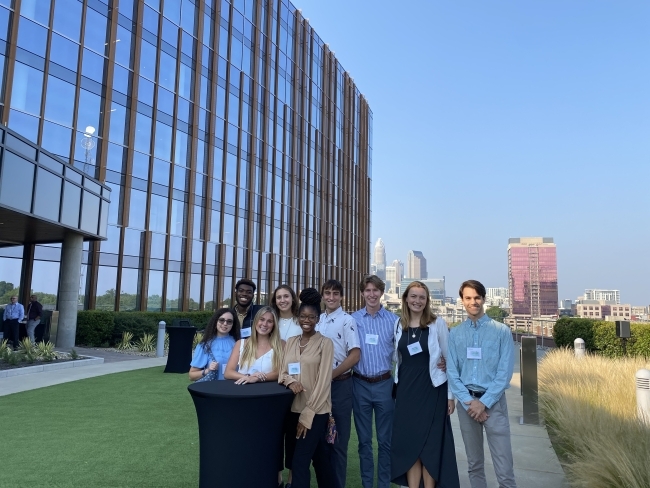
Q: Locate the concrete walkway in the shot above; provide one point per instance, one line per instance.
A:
(536, 464)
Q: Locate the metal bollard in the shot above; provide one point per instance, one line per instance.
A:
(160, 343)
(579, 346)
(643, 395)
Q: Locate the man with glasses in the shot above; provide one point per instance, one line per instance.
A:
(14, 314)
(33, 316)
(341, 329)
(244, 293)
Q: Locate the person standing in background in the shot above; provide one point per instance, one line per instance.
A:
(33, 316)
(14, 314)
(246, 311)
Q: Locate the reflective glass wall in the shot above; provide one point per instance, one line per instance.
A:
(234, 143)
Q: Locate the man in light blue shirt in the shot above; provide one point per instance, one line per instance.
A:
(479, 370)
(372, 383)
(12, 316)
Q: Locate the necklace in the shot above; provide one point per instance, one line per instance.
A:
(299, 342)
(413, 335)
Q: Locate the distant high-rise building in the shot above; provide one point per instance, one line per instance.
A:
(416, 266)
(380, 259)
(394, 275)
(496, 293)
(608, 295)
(532, 276)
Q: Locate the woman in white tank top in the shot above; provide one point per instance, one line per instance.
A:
(259, 357)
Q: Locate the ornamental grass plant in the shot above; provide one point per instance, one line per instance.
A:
(589, 406)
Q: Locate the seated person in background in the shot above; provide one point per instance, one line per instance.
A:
(212, 353)
(307, 371)
(259, 357)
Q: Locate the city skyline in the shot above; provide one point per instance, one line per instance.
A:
(506, 119)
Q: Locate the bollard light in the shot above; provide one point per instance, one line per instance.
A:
(160, 343)
(579, 346)
(643, 394)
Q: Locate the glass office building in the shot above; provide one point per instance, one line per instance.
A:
(234, 144)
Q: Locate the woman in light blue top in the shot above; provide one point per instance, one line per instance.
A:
(212, 353)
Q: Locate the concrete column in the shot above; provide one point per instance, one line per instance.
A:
(71, 253)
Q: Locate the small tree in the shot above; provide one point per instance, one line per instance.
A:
(496, 313)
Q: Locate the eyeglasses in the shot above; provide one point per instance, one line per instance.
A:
(308, 317)
(225, 321)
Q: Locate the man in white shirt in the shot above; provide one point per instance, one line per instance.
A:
(341, 329)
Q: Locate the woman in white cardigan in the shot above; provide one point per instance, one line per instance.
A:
(422, 447)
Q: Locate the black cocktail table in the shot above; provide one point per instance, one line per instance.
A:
(180, 349)
(246, 422)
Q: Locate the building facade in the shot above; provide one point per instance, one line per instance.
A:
(416, 265)
(233, 141)
(602, 309)
(608, 295)
(380, 259)
(532, 276)
(436, 287)
(394, 275)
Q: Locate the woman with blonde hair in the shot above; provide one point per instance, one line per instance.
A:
(422, 446)
(258, 358)
(286, 305)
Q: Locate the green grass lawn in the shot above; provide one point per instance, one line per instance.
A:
(134, 429)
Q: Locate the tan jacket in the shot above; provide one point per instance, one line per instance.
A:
(315, 376)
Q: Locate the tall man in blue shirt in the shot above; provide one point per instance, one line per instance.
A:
(12, 316)
(479, 370)
(372, 383)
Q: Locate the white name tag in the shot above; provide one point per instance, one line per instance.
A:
(223, 369)
(246, 333)
(473, 353)
(414, 348)
(294, 368)
(372, 339)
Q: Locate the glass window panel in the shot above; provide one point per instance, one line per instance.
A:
(48, 195)
(182, 148)
(148, 60)
(32, 37)
(161, 172)
(121, 79)
(184, 111)
(154, 295)
(188, 17)
(204, 96)
(88, 111)
(59, 101)
(172, 10)
(236, 48)
(197, 225)
(106, 282)
(118, 131)
(38, 10)
(124, 46)
(13, 192)
(133, 240)
(167, 72)
(228, 229)
(158, 214)
(217, 163)
(169, 31)
(179, 216)
(185, 82)
(130, 289)
(115, 158)
(176, 248)
(208, 24)
(26, 92)
(142, 140)
(188, 44)
(173, 297)
(208, 293)
(157, 246)
(126, 8)
(215, 225)
(56, 139)
(180, 178)
(90, 213)
(93, 66)
(137, 209)
(165, 101)
(195, 291)
(95, 31)
(67, 18)
(4, 23)
(216, 190)
(43, 284)
(64, 52)
(163, 141)
(231, 168)
(71, 203)
(145, 91)
(150, 20)
(112, 243)
(115, 207)
(140, 168)
(201, 156)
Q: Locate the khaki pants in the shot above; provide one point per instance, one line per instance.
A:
(497, 428)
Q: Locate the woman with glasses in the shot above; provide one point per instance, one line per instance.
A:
(422, 445)
(285, 303)
(307, 371)
(212, 353)
(259, 357)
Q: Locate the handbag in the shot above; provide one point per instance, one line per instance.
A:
(211, 375)
(330, 437)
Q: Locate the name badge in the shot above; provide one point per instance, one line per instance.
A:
(223, 369)
(246, 333)
(414, 348)
(473, 353)
(372, 339)
(294, 368)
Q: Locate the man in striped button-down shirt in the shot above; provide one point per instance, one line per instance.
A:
(372, 382)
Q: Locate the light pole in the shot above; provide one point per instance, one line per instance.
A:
(88, 143)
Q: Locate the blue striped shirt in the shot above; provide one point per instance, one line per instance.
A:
(490, 374)
(376, 359)
(14, 311)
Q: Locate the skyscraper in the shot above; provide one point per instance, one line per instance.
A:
(532, 276)
(380, 259)
(416, 266)
(394, 275)
(233, 141)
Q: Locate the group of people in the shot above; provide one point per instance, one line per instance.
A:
(411, 372)
(14, 314)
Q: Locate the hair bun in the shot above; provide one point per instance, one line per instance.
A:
(310, 296)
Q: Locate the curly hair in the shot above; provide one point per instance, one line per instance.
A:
(309, 297)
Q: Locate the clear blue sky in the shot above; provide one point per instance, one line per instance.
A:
(497, 119)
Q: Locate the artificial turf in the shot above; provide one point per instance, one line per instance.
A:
(133, 429)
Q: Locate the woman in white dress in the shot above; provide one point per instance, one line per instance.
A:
(285, 303)
(259, 357)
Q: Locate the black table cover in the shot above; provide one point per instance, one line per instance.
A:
(180, 349)
(240, 432)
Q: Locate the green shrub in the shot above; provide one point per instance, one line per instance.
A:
(568, 329)
(94, 327)
(606, 341)
(641, 344)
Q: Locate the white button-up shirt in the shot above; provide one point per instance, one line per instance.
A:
(340, 328)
